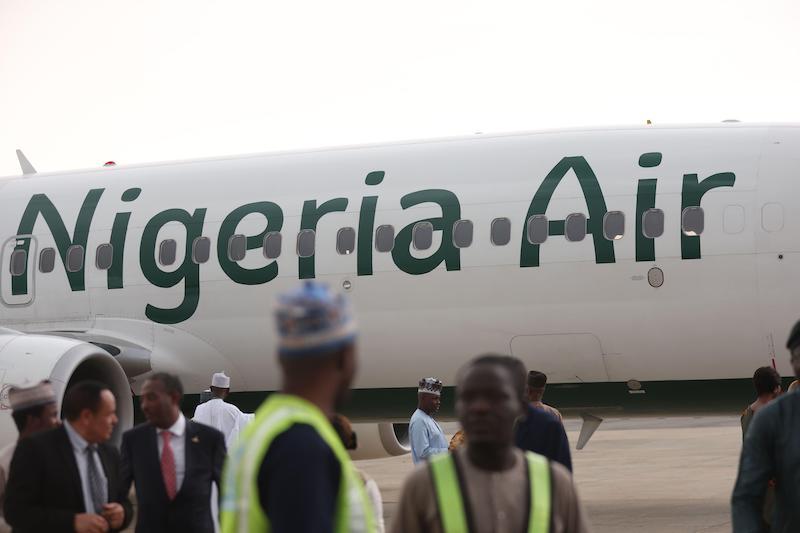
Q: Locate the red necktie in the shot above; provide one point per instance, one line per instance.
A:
(168, 466)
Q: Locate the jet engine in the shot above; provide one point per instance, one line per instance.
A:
(26, 359)
(379, 440)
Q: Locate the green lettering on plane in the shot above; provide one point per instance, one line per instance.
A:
(447, 254)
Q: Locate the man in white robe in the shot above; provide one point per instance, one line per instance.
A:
(220, 414)
(223, 416)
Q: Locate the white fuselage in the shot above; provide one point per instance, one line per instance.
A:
(718, 316)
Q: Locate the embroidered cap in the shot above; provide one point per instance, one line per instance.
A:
(221, 381)
(22, 398)
(313, 321)
(430, 386)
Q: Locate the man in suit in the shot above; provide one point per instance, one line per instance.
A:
(68, 479)
(33, 409)
(173, 462)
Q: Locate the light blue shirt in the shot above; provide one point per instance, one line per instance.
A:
(427, 438)
(79, 446)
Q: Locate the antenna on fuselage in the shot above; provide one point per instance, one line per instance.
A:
(27, 168)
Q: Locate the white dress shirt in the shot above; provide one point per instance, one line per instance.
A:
(223, 416)
(79, 446)
(178, 442)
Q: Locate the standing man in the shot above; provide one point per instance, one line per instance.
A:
(33, 410)
(541, 430)
(172, 461)
(427, 437)
(767, 383)
(289, 471)
(68, 478)
(771, 450)
(537, 382)
(488, 484)
(220, 414)
(225, 417)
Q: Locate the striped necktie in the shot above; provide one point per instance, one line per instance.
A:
(168, 466)
(95, 481)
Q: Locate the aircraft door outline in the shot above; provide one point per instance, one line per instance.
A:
(9, 267)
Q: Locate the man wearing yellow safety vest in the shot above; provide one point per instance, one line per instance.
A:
(489, 485)
(289, 471)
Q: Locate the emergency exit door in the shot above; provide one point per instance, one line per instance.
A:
(17, 270)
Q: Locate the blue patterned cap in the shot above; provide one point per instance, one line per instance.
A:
(313, 321)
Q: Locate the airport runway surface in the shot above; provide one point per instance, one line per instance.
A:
(655, 475)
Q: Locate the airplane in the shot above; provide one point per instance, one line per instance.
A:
(645, 269)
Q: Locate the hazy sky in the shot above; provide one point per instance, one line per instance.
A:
(83, 82)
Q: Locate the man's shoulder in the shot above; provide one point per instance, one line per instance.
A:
(138, 430)
(552, 410)
(231, 407)
(46, 437)
(204, 429)
(418, 416)
(202, 408)
(299, 440)
(537, 416)
(43, 442)
(787, 404)
(300, 447)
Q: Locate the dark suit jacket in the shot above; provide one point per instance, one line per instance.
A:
(190, 511)
(44, 491)
(542, 433)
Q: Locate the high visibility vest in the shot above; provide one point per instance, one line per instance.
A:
(241, 510)
(450, 496)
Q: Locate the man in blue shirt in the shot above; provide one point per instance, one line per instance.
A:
(427, 437)
(541, 431)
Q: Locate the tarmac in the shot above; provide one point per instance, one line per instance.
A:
(656, 475)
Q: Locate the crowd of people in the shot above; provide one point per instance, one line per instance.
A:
(286, 467)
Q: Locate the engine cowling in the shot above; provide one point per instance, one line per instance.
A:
(379, 440)
(26, 359)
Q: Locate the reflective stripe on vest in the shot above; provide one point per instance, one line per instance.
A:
(450, 501)
(241, 510)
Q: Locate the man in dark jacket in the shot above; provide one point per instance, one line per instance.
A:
(68, 479)
(173, 462)
(771, 450)
(543, 433)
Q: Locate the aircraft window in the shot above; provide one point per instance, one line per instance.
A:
(653, 223)
(47, 260)
(167, 251)
(237, 247)
(462, 233)
(772, 217)
(501, 231)
(272, 245)
(423, 235)
(614, 225)
(306, 241)
(201, 250)
(74, 258)
(346, 241)
(104, 256)
(19, 260)
(384, 238)
(733, 219)
(537, 229)
(575, 227)
(693, 221)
